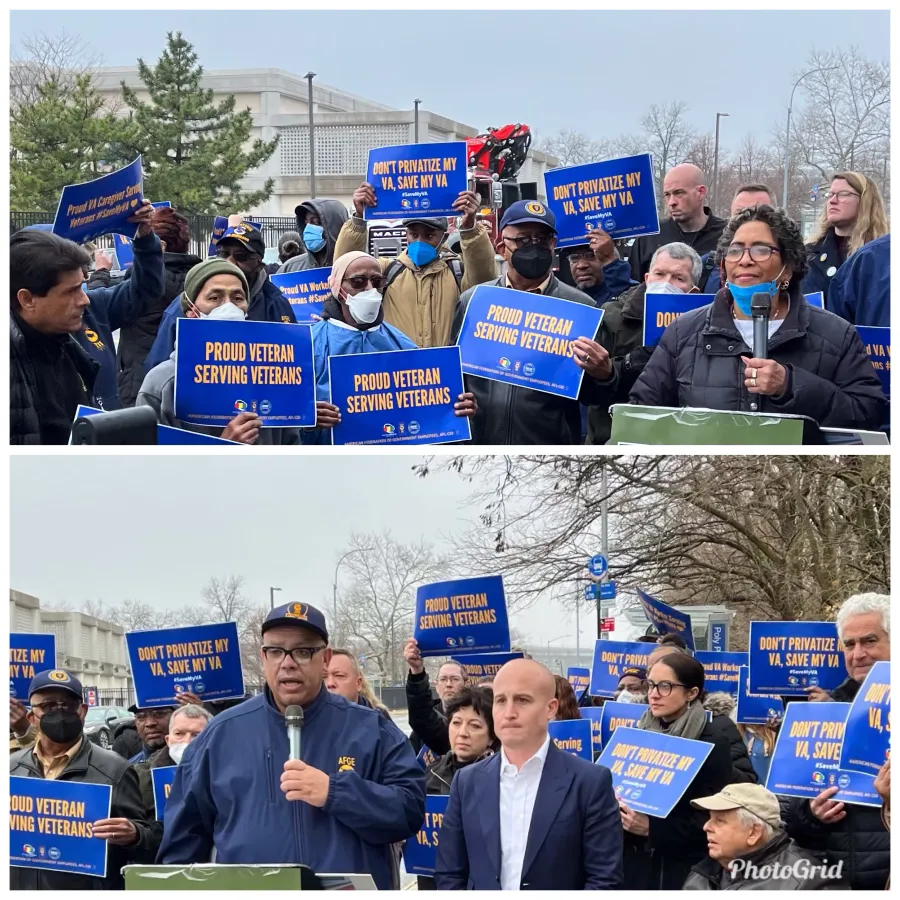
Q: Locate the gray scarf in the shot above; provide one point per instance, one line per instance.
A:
(688, 725)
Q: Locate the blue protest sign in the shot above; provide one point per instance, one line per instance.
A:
(220, 226)
(579, 679)
(416, 181)
(398, 397)
(867, 736)
(806, 759)
(420, 851)
(878, 346)
(651, 771)
(484, 665)
(786, 658)
(202, 659)
(666, 619)
(158, 204)
(594, 715)
(167, 435)
(607, 590)
(615, 715)
(573, 736)
(100, 206)
(224, 368)
(816, 299)
(525, 339)
(162, 784)
(616, 195)
(124, 251)
(28, 655)
(721, 671)
(90, 696)
(755, 709)
(466, 614)
(426, 758)
(51, 825)
(610, 657)
(306, 291)
(598, 565)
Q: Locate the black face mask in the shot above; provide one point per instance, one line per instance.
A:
(62, 727)
(532, 262)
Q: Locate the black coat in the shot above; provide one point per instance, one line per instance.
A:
(821, 271)
(126, 741)
(90, 765)
(703, 241)
(158, 760)
(426, 716)
(741, 768)
(830, 377)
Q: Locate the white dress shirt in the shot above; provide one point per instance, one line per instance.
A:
(518, 791)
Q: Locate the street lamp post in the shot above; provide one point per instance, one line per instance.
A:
(272, 597)
(312, 139)
(416, 103)
(334, 610)
(715, 195)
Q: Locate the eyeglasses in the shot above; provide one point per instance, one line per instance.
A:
(236, 255)
(450, 679)
(50, 706)
(758, 252)
(539, 240)
(841, 195)
(358, 282)
(144, 714)
(663, 688)
(586, 255)
(300, 655)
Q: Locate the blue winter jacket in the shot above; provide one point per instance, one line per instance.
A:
(227, 791)
(115, 307)
(616, 280)
(861, 290)
(267, 305)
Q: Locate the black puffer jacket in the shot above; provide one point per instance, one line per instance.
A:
(126, 741)
(136, 340)
(829, 376)
(426, 716)
(721, 706)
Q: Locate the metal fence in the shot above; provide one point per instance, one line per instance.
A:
(115, 696)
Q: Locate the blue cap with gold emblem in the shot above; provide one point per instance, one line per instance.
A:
(56, 678)
(523, 211)
(300, 614)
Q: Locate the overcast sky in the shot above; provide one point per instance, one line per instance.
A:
(593, 71)
(156, 528)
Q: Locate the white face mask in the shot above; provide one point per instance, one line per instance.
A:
(227, 312)
(627, 697)
(364, 306)
(663, 287)
(176, 751)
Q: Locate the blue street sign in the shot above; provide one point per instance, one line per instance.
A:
(590, 592)
(598, 565)
(607, 590)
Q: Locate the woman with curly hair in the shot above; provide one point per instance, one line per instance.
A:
(568, 702)
(816, 364)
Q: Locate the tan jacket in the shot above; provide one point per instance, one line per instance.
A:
(422, 302)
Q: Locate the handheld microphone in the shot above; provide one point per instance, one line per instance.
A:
(293, 720)
(760, 307)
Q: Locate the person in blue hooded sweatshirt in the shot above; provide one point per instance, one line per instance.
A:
(356, 790)
(244, 246)
(861, 290)
(353, 322)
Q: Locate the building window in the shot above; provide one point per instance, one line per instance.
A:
(340, 149)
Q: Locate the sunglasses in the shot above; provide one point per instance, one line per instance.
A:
(236, 255)
(358, 282)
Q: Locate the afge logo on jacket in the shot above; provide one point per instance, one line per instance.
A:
(347, 764)
(94, 338)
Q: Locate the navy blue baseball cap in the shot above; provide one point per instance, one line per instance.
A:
(523, 211)
(300, 614)
(247, 235)
(56, 678)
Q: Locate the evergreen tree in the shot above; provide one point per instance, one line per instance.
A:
(195, 151)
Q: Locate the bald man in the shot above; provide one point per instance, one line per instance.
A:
(690, 220)
(514, 817)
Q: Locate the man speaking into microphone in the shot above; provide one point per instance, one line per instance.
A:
(355, 789)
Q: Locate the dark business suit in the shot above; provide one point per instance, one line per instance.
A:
(575, 838)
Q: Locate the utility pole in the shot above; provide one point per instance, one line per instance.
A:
(416, 103)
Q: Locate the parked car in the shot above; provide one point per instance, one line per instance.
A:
(101, 722)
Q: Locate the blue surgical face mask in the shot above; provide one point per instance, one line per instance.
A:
(314, 237)
(421, 253)
(743, 294)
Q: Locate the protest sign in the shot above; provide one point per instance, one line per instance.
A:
(416, 181)
(616, 715)
(755, 709)
(594, 714)
(306, 291)
(616, 195)
(786, 658)
(225, 368)
(167, 435)
(878, 346)
(51, 825)
(484, 665)
(806, 759)
(100, 206)
(465, 614)
(867, 738)
(579, 679)
(420, 851)
(163, 777)
(202, 659)
(610, 657)
(573, 736)
(29, 654)
(721, 670)
(426, 758)
(398, 397)
(124, 251)
(666, 619)
(220, 226)
(651, 771)
(158, 204)
(525, 339)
